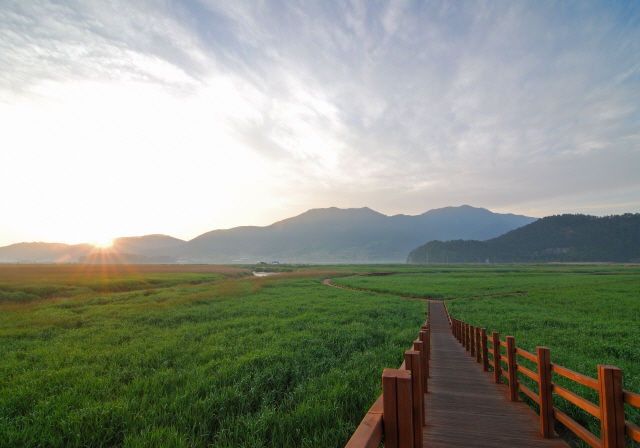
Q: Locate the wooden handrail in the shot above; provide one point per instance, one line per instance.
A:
(402, 424)
(608, 385)
(369, 433)
(576, 428)
(398, 413)
(576, 399)
(526, 354)
(632, 431)
(575, 376)
(528, 392)
(631, 398)
(445, 310)
(530, 373)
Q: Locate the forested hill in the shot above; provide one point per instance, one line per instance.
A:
(566, 238)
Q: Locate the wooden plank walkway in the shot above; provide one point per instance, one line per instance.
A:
(464, 407)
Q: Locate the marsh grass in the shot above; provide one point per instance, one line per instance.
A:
(462, 281)
(28, 283)
(266, 361)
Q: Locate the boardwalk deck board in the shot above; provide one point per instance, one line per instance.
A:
(464, 407)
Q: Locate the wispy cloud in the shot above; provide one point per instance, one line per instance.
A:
(102, 41)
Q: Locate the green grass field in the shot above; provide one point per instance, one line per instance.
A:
(208, 356)
(192, 361)
(587, 315)
(446, 282)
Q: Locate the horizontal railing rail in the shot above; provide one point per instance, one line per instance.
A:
(612, 398)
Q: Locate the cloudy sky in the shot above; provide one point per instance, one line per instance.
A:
(121, 118)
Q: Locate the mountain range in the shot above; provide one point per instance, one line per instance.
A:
(560, 238)
(68, 253)
(328, 235)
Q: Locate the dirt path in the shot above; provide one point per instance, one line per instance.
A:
(327, 281)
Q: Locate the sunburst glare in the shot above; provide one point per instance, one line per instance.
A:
(103, 243)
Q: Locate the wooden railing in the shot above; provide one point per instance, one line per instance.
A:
(612, 398)
(398, 414)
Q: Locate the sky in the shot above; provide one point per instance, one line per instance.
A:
(121, 118)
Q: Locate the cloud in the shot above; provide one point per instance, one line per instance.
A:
(101, 41)
(483, 100)
(400, 105)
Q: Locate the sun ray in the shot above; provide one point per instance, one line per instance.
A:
(103, 244)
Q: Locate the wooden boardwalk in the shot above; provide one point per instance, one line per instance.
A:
(464, 407)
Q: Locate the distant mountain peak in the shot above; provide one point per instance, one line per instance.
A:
(330, 214)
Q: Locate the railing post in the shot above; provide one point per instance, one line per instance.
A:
(478, 347)
(544, 392)
(390, 408)
(419, 346)
(513, 368)
(428, 312)
(485, 351)
(472, 339)
(427, 338)
(397, 411)
(412, 363)
(467, 335)
(497, 362)
(611, 407)
(405, 410)
(425, 359)
(428, 350)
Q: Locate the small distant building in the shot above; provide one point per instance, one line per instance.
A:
(275, 262)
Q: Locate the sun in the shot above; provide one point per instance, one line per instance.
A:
(103, 244)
